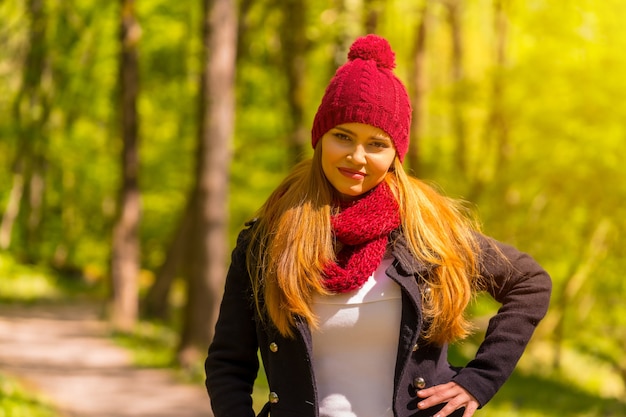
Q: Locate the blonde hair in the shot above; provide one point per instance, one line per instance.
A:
(292, 242)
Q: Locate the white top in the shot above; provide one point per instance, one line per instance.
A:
(354, 350)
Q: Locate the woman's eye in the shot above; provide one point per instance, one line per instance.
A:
(380, 145)
(342, 136)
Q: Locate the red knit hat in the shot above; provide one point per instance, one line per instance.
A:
(365, 90)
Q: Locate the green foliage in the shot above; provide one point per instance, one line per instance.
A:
(20, 283)
(16, 401)
(23, 283)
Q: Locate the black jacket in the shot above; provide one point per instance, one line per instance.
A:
(519, 284)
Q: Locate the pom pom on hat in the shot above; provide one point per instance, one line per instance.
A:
(373, 48)
(365, 90)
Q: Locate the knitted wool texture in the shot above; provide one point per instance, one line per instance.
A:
(363, 227)
(365, 90)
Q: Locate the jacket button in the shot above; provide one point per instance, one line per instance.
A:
(273, 397)
(419, 382)
(274, 347)
(415, 347)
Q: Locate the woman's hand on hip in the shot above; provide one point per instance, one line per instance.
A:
(451, 393)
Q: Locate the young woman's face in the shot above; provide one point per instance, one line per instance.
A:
(356, 157)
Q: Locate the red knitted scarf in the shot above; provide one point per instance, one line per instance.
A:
(363, 227)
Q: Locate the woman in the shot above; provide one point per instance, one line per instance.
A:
(355, 277)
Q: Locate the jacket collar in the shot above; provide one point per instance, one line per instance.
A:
(405, 260)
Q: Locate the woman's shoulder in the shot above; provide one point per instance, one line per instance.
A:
(250, 223)
(244, 238)
(245, 234)
(509, 265)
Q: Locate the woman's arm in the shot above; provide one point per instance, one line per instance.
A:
(232, 363)
(523, 288)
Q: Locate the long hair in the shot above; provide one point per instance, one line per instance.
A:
(290, 246)
(292, 242)
(440, 233)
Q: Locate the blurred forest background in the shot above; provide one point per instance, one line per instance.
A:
(136, 139)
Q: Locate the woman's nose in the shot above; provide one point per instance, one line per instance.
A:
(357, 155)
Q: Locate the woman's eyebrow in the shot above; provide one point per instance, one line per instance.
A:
(381, 137)
(343, 129)
(376, 136)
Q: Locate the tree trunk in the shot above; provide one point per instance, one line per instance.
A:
(12, 210)
(245, 6)
(125, 254)
(418, 84)
(36, 189)
(590, 256)
(295, 45)
(156, 303)
(31, 110)
(208, 252)
(458, 88)
(499, 121)
(346, 30)
(372, 9)
(496, 130)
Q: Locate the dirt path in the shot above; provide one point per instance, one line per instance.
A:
(64, 353)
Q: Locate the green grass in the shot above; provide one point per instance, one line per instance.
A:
(17, 401)
(25, 284)
(152, 345)
(535, 396)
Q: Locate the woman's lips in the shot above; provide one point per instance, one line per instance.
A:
(350, 173)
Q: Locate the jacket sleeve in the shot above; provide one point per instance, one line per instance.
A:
(232, 362)
(523, 289)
